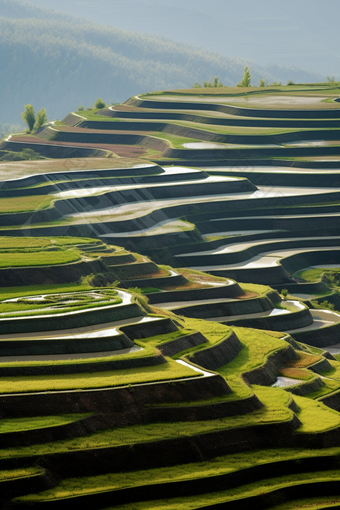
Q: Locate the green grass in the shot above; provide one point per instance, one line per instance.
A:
(167, 337)
(146, 351)
(275, 410)
(257, 289)
(33, 243)
(330, 386)
(149, 290)
(213, 331)
(24, 242)
(25, 204)
(254, 489)
(14, 474)
(257, 346)
(313, 274)
(205, 469)
(38, 422)
(41, 258)
(315, 416)
(331, 383)
(192, 275)
(233, 130)
(175, 141)
(49, 288)
(247, 91)
(24, 310)
(165, 372)
(91, 115)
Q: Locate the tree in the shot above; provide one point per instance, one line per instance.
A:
(246, 78)
(40, 119)
(262, 82)
(99, 104)
(217, 82)
(29, 116)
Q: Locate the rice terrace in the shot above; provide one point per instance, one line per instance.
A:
(170, 304)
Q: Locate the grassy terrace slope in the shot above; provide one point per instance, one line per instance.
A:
(169, 306)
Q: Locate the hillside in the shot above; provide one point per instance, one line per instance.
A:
(300, 33)
(56, 61)
(169, 304)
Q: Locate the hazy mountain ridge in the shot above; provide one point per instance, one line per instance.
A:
(303, 33)
(59, 62)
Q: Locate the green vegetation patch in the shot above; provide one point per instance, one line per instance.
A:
(160, 339)
(313, 274)
(164, 372)
(14, 474)
(24, 204)
(42, 258)
(315, 416)
(176, 141)
(257, 346)
(213, 331)
(49, 288)
(33, 243)
(59, 303)
(239, 493)
(275, 409)
(255, 288)
(37, 422)
(205, 469)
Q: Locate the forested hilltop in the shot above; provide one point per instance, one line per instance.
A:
(57, 61)
(291, 33)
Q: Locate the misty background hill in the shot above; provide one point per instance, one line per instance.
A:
(55, 60)
(303, 33)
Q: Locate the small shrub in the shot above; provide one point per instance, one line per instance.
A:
(323, 305)
(29, 154)
(332, 278)
(99, 104)
(99, 280)
(80, 108)
(135, 290)
(284, 293)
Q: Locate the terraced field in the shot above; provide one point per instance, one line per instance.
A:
(170, 323)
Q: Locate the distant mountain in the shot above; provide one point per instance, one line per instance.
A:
(304, 33)
(59, 62)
